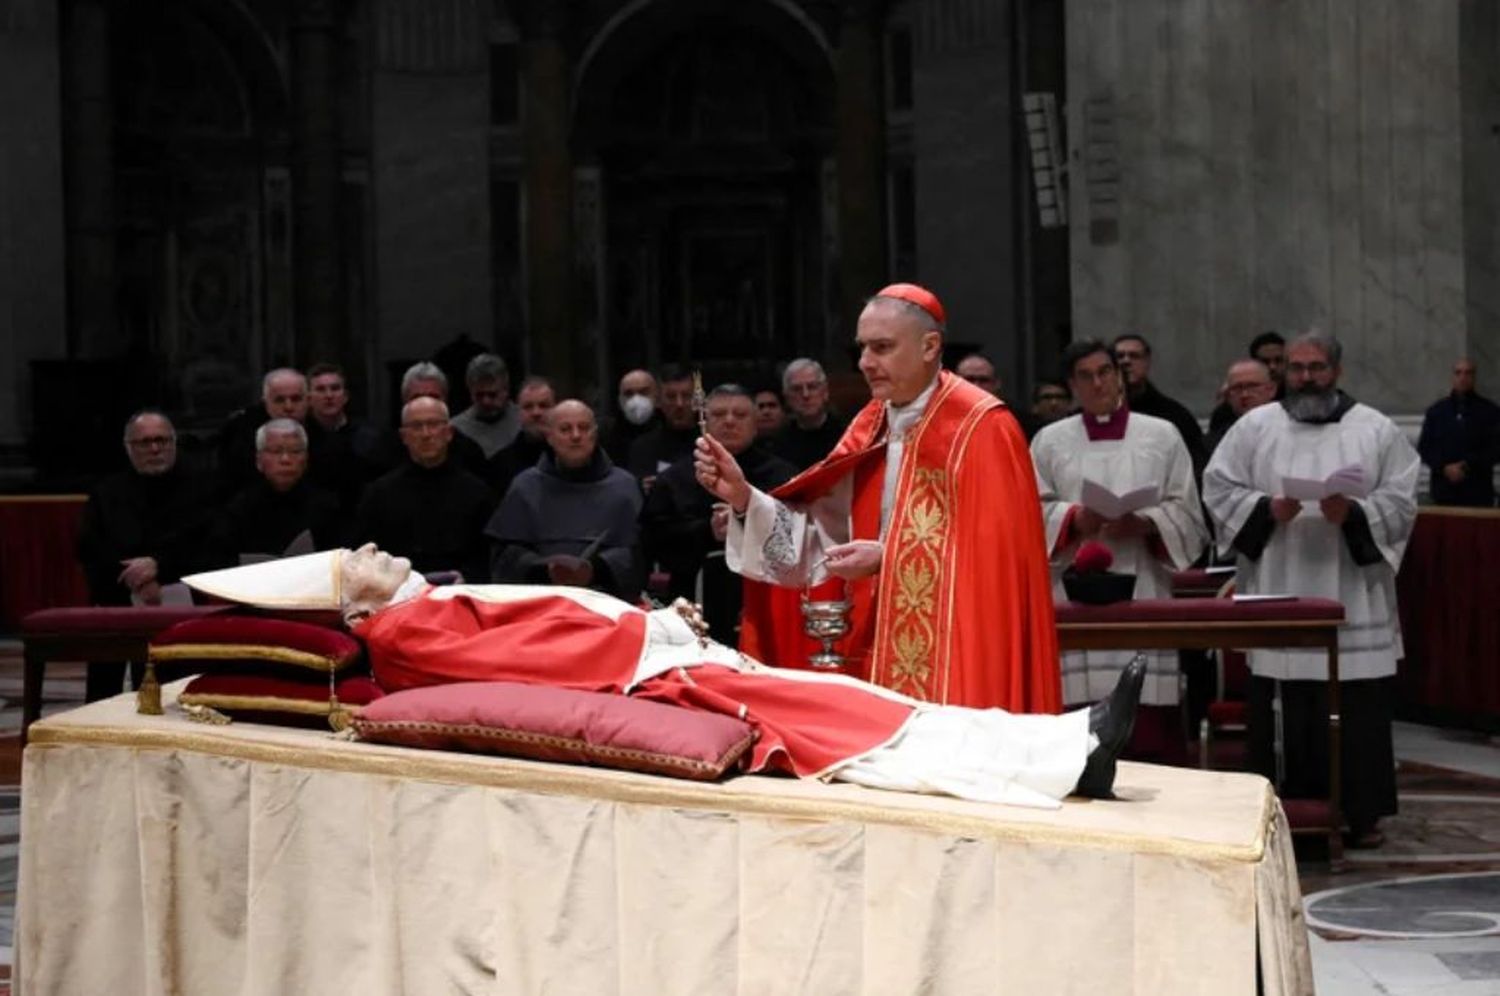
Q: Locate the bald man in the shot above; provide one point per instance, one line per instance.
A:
(925, 516)
(635, 414)
(429, 509)
(1247, 384)
(571, 519)
(1460, 443)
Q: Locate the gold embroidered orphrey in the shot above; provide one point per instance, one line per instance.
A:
(918, 573)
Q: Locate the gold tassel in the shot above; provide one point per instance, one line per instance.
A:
(203, 714)
(148, 696)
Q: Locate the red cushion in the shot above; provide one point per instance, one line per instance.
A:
(270, 699)
(559, 724)
(228, 642)
(1228, 713)
(133, 620)
(1146, 610)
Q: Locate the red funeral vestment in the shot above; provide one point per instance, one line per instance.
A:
(961, 610)
(448, 635)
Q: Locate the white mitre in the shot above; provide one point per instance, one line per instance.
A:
(311, 581)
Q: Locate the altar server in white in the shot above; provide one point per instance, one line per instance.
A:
(1346, 545)
(1109, 445)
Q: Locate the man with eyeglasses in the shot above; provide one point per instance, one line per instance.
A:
(813, 429)
(143, 528)
(1247, 385)
(684, 527)
(429, 509)
(283, 512)
(1346, 545)
(283, 394)
(1111, 444)
(1133, 354)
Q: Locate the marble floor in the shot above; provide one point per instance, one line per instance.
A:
(1419, 916)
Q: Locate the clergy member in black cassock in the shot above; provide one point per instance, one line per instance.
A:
(270, 514)
(143, 528)
(656, 450)
(429, 510)
(571, 519)
(677, 521)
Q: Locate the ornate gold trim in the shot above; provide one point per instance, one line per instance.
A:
(244, 651)
(261, 703)
(858, 806)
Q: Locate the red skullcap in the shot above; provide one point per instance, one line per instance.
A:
(920, 296)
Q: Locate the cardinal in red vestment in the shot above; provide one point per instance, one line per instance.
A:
(925, 517)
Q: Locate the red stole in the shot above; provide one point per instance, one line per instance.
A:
(904, 623)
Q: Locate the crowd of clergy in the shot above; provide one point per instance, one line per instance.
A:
(536, 488)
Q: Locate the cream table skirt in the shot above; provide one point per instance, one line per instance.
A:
(164, 856)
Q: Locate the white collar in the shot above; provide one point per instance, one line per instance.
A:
(903, 418)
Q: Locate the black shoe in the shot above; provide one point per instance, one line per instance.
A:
(1111, 720)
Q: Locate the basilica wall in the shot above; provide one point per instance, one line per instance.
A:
(1238, 165)
(429, 103)
(32, 291)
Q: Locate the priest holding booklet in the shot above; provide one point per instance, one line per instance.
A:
(1317, 496)
(1126, 480)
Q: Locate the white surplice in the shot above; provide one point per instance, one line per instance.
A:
(1152, 453)
(1309, 555)
(785, 545)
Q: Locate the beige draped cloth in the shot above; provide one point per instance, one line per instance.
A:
(162, 856)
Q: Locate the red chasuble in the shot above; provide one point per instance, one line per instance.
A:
(961, 611)
(805, 726)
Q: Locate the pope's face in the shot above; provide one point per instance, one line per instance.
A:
(370, 577)
(897, 354)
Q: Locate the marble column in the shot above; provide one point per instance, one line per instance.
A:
(547, 179)
(966, 177)
(32, 254)
(318, 288)
(1245, 166)
(860, 150)
(89, 182)
(1479, 81)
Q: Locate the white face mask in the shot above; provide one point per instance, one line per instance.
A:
(637, 408)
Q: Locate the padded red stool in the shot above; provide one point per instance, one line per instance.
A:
(91, 633)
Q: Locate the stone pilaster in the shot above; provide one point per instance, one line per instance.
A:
(860, 151)
(318, 293)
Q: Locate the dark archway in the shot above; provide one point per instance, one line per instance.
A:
(711, 127)
(202, 230)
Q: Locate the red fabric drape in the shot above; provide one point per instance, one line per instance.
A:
(39, 555)
(1447, 591)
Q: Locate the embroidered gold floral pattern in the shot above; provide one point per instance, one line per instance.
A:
(919, 566)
